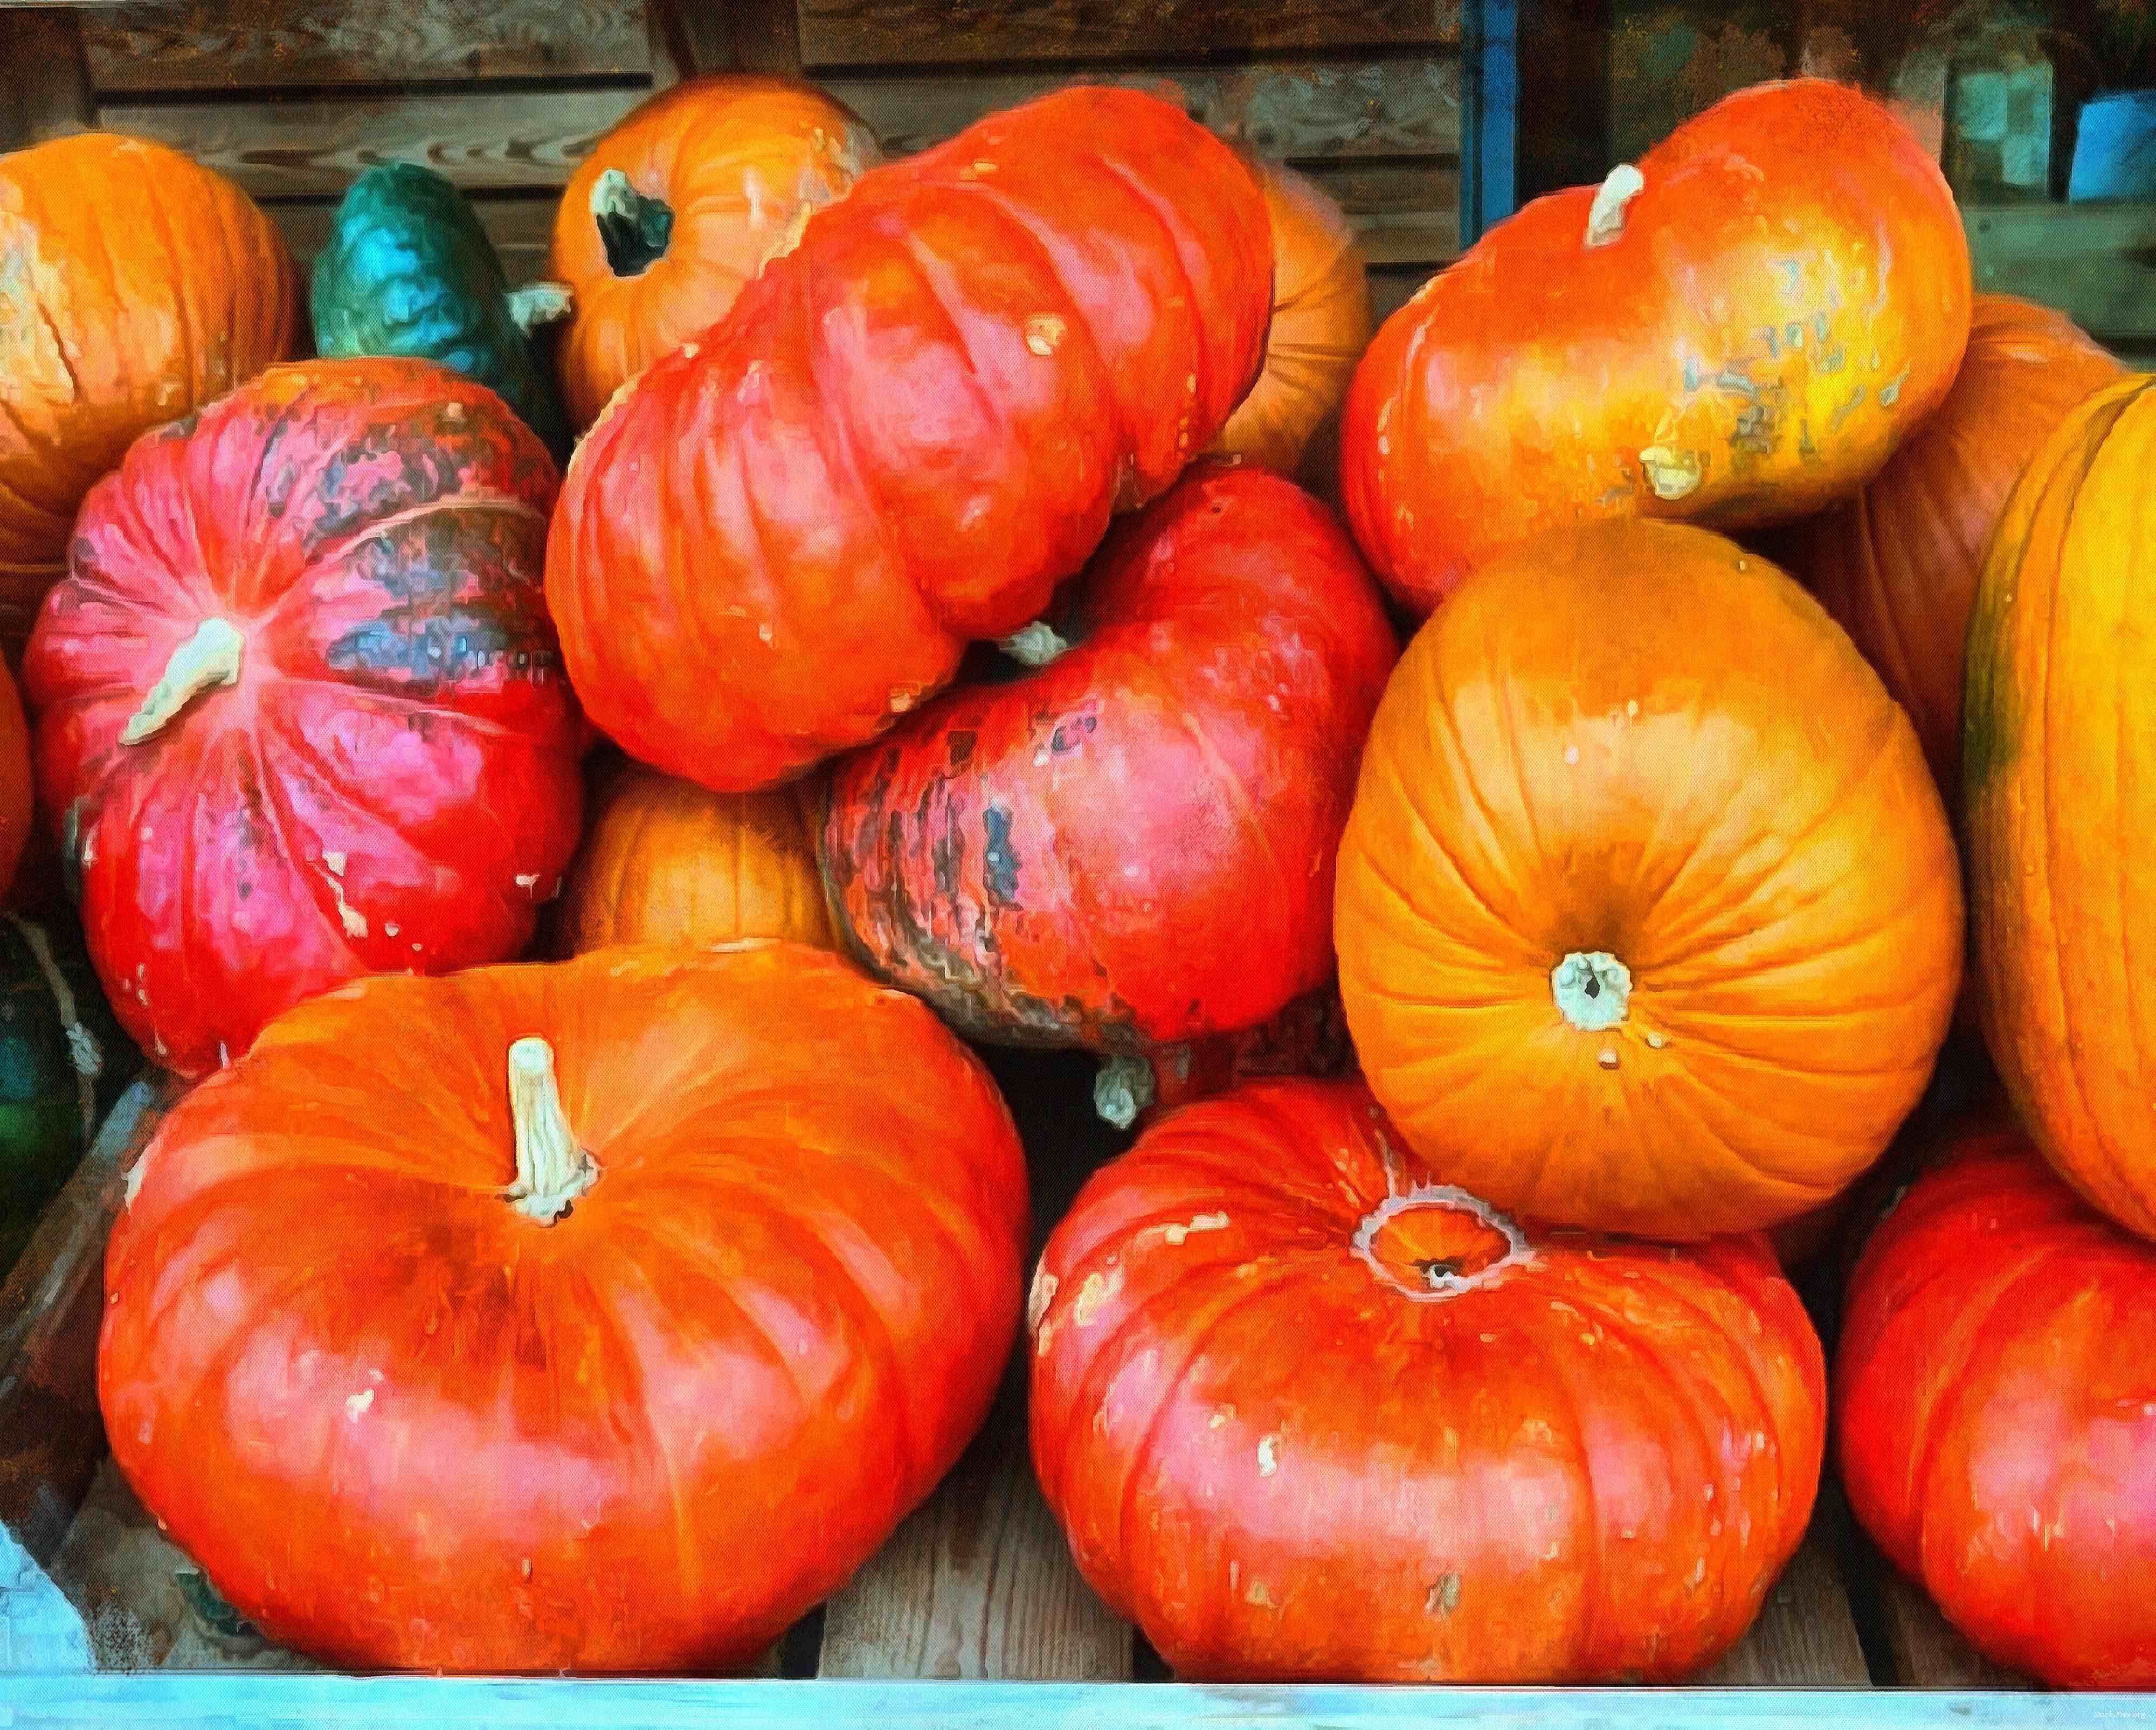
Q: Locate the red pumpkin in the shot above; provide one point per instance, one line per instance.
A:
(300, 708)
(1131, 845)
(1306, 1413)
(906, 433)
(1736, 331)
(598, 1316)
(1996, 1420)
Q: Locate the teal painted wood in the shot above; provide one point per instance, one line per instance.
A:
(409, 271)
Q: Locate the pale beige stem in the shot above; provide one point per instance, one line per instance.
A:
(209, 658)
(1035, 645)
(552, 1170)
(538, 303)
(1605, 217)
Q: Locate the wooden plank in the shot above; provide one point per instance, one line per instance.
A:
(684, 38)
(2097, 263)
(46, 91)
(1805, 1636)
(1404, 214)
(1927, 1653)
(481, 140)
(520, 229)
(866, 33)
(228, 44)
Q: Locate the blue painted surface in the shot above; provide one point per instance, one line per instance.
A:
(1489, 145)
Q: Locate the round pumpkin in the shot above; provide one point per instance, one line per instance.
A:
(1737, 330)
(911, 428)
(1995, 1422)
(1648, 917)
(300, 713)
(1320, 324)
(1308, 1411)
(2062, 651)
(667, 861)
(1131, 844)
(1896, 564)
(134, 286)
(603, 1316)
(676, 209)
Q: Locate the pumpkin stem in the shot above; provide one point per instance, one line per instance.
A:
(1591, 989)
(1437, 1241)
(552, 1170)
(1037, 645)
(209, 658)
(1124, 1087)
(1605, 217)
(634, 228)
(538, 303)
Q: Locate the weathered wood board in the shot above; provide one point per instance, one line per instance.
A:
(1927, 1653)
(2097, 263)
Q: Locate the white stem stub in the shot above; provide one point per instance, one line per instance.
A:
(538, 303)
(1591, 989)
(1605, 217)
(207, 658)
(1124, 1087)
(1035, 645)
(552, 1170)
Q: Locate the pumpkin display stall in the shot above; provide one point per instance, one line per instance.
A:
(666, 861)
(1995, 1426)
(1897, 563)
(409, 270)
(1649, 918)
(300, 710)
(1737, 330)
(678, 207)
(1307, 1411)
(2059, 787)
(135, 285)
(909, 430)
(1130, 843)
(601, 1316)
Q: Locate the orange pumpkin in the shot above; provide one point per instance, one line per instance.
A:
(2060, 780)
(1648, 915)
(678, 207)
(1320, 324)
(1896, 564)
(134, 287)
(666, 861)
(1736, 331)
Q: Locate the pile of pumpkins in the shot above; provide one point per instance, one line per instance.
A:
(929, 603)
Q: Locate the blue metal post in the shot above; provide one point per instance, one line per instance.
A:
(1489, 142)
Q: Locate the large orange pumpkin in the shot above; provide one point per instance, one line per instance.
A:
(134, 287)
(1648, 914)
(597, 1317)
(2060, 777)
(1306, 1411)
(1320, 324)
(678, 207)
(1995, 1418)
(666, 861)
(909, 430)
(1736, 331)
(1896, 564)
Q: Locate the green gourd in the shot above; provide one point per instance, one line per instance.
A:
(64, 1061)
(408, 271)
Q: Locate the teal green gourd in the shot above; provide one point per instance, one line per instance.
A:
(409, 271)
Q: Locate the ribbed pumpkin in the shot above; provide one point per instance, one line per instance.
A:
(134, 287)
(1320, 324)
(1736, 331)
(1648, 917)
(1995, 1420)
(1308, 1411)
(909, 431)
(676, 209)
(2059, 778)
(1896, 564)
(666, 861)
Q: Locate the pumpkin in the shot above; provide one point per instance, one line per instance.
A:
(781, 537)
(602, 1316)
(1996, 1420)
(1897, 563)
(134, 287)
(409, 270)
(64, 1061)
(1737, 330)
(300, 713)
(676, 209)
(1320, 324)
(1131, 844)
(667, 861)
(1648, 916)
(1308, 1411)
(2059, 789)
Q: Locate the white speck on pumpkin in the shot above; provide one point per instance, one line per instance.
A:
(1044, 333)
(135, 1173)
(388, 928)
(1093, 1293)
(764, 631)
(1201, 1222)
(1221, 1419)
(527, 879)
(358, 1404)
(1038, 1300)
(1607, 1057)
(334, 864)
(1258, 1595)
(1268, 1455)
(1655, 1041)
(1572, 753)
